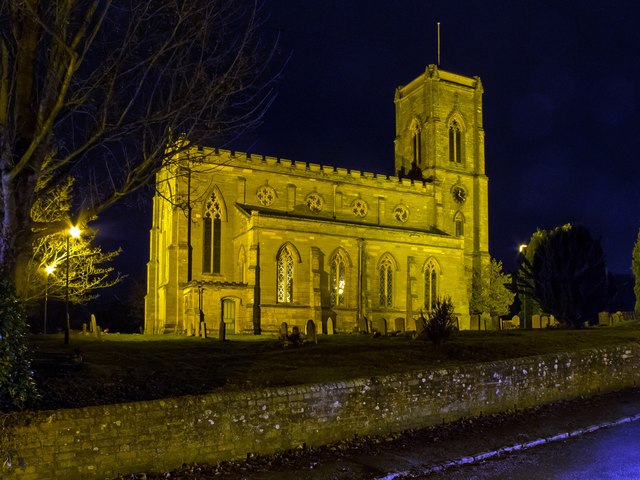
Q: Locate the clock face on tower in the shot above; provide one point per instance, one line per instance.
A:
(459, 194)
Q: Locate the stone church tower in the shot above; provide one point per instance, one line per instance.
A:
(440, 138)
(253, 241)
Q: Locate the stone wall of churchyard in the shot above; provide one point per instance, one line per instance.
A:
(100, 442)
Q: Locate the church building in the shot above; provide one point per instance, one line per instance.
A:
(256, 241)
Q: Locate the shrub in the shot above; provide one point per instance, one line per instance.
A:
(17, 387)
(441, 321)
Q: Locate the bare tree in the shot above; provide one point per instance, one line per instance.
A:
(101, 89)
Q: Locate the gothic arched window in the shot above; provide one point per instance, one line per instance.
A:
(212, 235)
(458, 221)
(416, 143)
(386, 281)
(455, 142)
(285, 273)
(338, 279)
(430, 285)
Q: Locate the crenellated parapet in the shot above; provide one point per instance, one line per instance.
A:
(265, 163)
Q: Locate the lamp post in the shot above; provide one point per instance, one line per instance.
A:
(522, 248)
(75, 233)
(49, 269)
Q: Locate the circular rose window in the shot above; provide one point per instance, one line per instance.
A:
(266, 195)
(401, 213)
(314, 202)
(360, 208)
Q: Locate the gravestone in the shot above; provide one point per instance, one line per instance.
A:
(380, 326)
(474, 322)
(203, 329)
(421, 325)
(222, 331)
(330, 328)
(535, 321)
(399, 325)
(94, 325)
(553, 322)
(362, 324)
(515, 321)
(604, 318)
(544, 321)
(84, 329)
(311, 331)
(284, 331)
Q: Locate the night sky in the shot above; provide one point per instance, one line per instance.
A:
(562, 89)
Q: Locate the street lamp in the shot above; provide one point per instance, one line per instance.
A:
(49, 269)
(522, 248)
(75, 233)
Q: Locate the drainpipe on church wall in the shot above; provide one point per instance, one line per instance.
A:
(361, 282)
(189, 217)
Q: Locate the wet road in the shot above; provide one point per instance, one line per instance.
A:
(607, 454)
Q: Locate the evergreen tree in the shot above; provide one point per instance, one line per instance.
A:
(568, 276)
(635, 268)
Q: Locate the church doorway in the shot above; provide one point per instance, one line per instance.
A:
(229, 315)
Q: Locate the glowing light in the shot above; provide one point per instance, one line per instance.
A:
(74, 232)
(522, 247)
(49, 269)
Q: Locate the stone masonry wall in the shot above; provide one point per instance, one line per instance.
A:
(100, 442)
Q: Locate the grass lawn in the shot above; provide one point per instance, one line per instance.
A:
(119, 368)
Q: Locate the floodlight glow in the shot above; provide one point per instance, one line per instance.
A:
(74, 232)
(49, 269)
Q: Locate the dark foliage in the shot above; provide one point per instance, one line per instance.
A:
(441, 321)
(17, 387)
(567, 276)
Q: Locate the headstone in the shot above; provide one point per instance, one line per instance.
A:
(399, 325)
(380, 326)
(330, 327)
(485, 321)
(94, 325)
(294, 338)
(544, 321)
(222, 331)
(515, 321)
(421, 325)
(311, 331)
(535, 321)
(84, 329)
(475, 322)
(362, 324)
(203, 329)
(283, 333)
(604, 318)
(553, 322)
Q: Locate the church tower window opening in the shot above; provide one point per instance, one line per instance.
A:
(458, 221)
(386, 282)
(430, 286)
(285, 275)
(212, 235)
(338, 280)
(455, 142)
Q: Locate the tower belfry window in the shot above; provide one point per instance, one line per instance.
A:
(417, 148)
(455, 142)
(416, 143)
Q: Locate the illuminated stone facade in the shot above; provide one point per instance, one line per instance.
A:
(257, 241)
